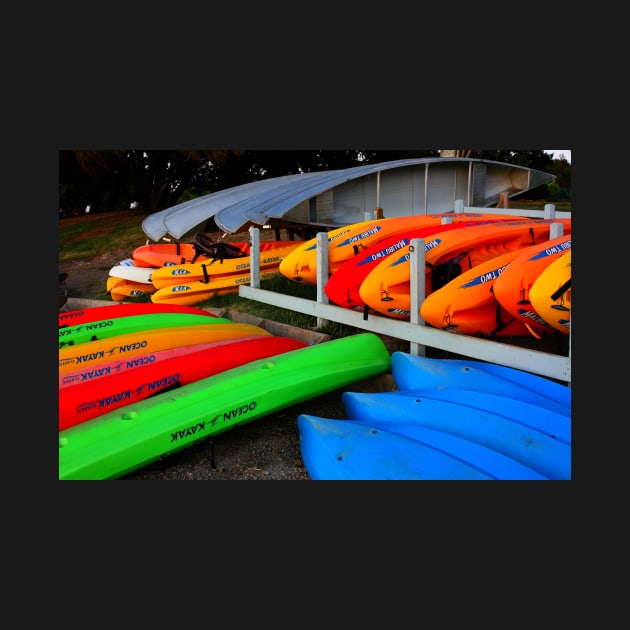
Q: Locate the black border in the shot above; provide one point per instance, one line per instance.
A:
(315, 116)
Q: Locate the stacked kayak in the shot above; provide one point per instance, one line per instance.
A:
(115, 326)
(346, 242)
(108, 363)
(162, 254)
(117, 442)
(550, 294)
(343, 286)
(512, 289)
(186, 274)
(205, 272)
(202, 249)
(386, 289)
(91, 392)
(449, 420)
(467, 304)
(493, 297)
(94, 313)
(128, 270)
(477, 277)
(121, 290)
(132, 344)
(190, 284)
(127, 279)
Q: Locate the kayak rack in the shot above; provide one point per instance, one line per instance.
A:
(415, 331)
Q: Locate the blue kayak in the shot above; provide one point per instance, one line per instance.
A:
(531, 443)
(413, 372)
(356, 450)
(449, 419)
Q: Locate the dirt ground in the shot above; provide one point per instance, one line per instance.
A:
(86, 278)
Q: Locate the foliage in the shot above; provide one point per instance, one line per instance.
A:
(152, 180)
(562, 205)
(562, 170)
(553, 191)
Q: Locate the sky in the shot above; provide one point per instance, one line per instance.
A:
(558, 153)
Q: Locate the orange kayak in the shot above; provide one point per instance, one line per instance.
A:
(120, 289)
(467, 304)
(342, 288)
(132, 344)
(163, 254)
(350, 240)
(513, 287)
(386, 289)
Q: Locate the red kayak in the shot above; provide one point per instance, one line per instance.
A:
(118, 366)
(111, 311)
(92, 398)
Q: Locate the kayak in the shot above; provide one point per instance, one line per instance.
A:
(148, 376)
(108, 311)
(132, 344)
(108, 328)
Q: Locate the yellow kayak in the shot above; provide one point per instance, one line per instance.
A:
(550, 295)
(210, 270)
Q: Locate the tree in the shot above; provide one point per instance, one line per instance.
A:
(562, 170)
(88, 177)
(153, 180)
(114, 179)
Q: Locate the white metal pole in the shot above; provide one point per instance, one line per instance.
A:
(322, 272)
(254, 257)
(417, 289)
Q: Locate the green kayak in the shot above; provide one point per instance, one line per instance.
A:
(119, 442)
(107, 328)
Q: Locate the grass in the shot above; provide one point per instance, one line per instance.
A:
(88, 237)
(285, 286)
(560, 206)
